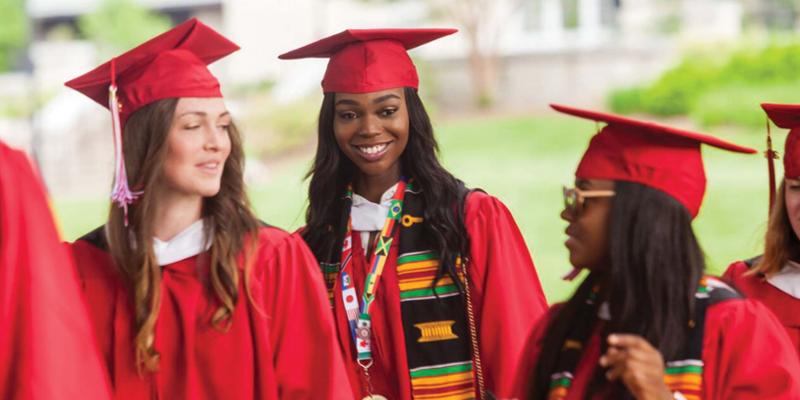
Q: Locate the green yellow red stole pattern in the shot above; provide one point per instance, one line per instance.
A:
(433, 310)
(434, 314)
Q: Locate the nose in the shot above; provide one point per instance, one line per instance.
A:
(566, 215)
(370, 126)
(214, 138)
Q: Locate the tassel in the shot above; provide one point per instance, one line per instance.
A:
(121, 194)
(571, 275)
(771, 156)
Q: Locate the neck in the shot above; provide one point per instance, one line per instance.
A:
(174, 213)
(372, 187)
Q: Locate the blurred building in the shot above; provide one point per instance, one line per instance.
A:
(541, 51)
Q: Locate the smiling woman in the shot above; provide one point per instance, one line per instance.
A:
(190, 296)
(447, 286)
(371, 129)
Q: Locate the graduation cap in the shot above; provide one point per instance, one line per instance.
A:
(368, 60)
(655, 155)
(170, 65)
(785, 116)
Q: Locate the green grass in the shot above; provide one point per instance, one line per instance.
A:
(524, 161)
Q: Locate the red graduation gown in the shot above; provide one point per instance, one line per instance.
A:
(506, 293)
(746, 355)
(284, 347)
(46, 345)
(784, 306)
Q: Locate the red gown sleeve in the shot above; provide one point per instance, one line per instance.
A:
(47, 350)
(734, 272)
(747, 354)
(308, 363)
(506, 294)
(523, 375)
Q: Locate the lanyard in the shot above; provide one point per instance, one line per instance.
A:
(358, 316)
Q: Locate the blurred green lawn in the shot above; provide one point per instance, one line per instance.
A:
(524, 161)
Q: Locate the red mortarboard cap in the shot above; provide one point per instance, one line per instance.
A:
(787, 116)
(655, 155)
(368, 60)
(170, 65)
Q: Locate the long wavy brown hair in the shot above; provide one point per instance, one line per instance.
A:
(781, 243)
(229, 221)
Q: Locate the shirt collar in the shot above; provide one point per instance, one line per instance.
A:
(788, 279)
(189, 243)
(368, 216)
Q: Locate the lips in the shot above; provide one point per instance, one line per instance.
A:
(570, 231)
(211, 166)
(571, 237)
(372, 151)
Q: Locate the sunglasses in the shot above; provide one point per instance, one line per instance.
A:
(575, 199)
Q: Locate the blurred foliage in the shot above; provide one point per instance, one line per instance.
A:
(718, 91)
(61, 32)
(571, 17)
(252, 88)
(118, 25)
(272, 129)
(739, 103)
(13, 32)
(23, 106)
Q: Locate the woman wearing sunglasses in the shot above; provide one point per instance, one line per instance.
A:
(433, 289)
(774, 277)
(646, 323)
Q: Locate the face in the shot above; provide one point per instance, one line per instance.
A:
(588, 227)
(198, 144)
(792, 199)
(372, 130)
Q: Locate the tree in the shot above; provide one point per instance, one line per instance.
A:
(482, 22)
(119, 25)
(13, 32)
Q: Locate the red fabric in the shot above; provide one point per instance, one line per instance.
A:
(787, 116)
(170, 65)
(746, 355)
(368, 60)
(658, 156)
(780, 303)
(288, 352)
(506, 294)
(46, 346)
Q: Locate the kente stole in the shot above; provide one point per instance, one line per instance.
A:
(435, 325)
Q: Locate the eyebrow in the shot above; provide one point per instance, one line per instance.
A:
(385, 97)
(376, 101)
(203, 114)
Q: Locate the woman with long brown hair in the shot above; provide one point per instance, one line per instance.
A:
(774, 277)
(191, 297)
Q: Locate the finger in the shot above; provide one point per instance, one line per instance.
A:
(616, 371)
(625, 340)
(612, 356)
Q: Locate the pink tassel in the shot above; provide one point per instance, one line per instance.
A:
(571, 275)
(121, 194)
